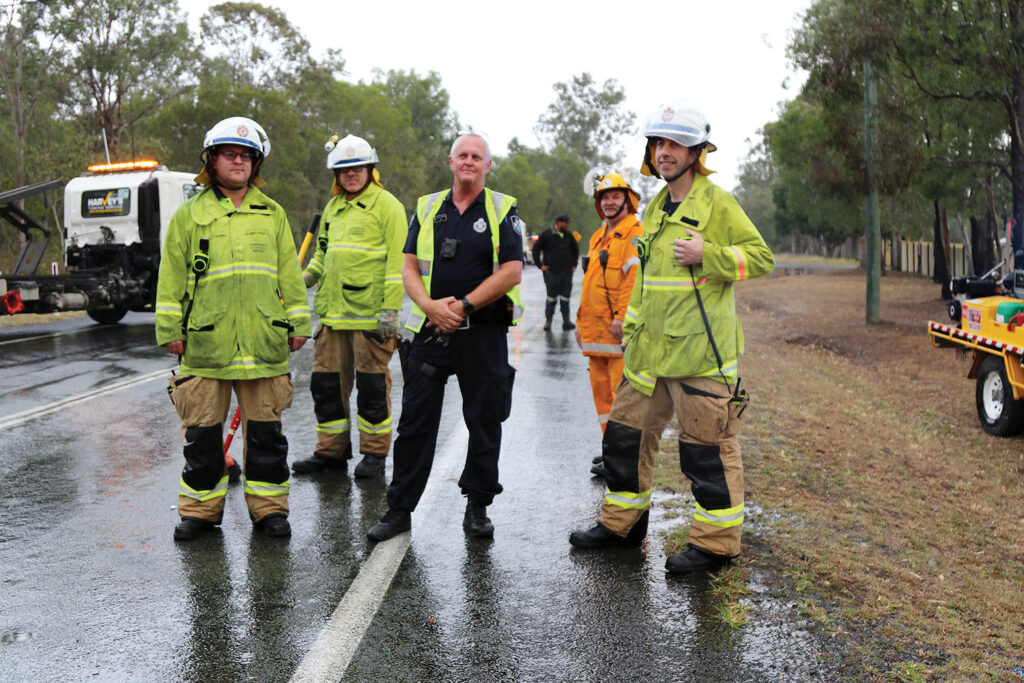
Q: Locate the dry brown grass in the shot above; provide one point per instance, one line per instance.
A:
(884, 502)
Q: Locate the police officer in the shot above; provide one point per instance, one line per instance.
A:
(358, 265)
(610, 269)
(556, 253)
(683, 340)
(230, 304)
(463, 264)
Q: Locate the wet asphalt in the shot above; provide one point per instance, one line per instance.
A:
(92, 586)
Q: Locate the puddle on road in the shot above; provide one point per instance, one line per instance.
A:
(777, 639)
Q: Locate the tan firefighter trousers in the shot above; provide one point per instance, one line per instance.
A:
(709, 455)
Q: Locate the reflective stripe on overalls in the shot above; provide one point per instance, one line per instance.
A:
(497, 206)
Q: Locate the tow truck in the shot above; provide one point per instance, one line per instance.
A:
(115, 220)
(989, 324)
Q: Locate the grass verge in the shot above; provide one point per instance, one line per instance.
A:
(897, 522)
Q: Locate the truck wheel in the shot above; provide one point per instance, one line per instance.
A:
(999, 412)
(107, 316)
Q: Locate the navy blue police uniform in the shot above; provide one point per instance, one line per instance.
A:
(477, 354)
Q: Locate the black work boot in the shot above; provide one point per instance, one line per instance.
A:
(319, 463)
(598, 536)
(370, 466)
(275, 526)
(599, 471)
(566, 325)
(694, 559)
(390, 525)
(191, 527)
(476, 523)
(547, 324)
(598, 459)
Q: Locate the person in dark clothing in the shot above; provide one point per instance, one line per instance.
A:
(463, 264)
(556, 252)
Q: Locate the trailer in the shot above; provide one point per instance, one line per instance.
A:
(989, 326)
(115, 221)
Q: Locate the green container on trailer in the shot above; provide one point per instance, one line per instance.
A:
(1006, 310)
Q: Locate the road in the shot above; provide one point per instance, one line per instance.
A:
(94, 587)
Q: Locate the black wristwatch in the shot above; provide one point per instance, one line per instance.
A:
(468, 307)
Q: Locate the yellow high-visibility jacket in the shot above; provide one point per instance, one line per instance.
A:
(360, 271)
(664, 331)
(248, 302)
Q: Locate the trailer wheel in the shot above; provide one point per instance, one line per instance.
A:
(999, 412)
(954, 310)
(107, 316)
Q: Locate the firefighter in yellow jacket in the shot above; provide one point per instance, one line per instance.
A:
(683, 341)
(230, 304)
(358, 265)
(609, 270)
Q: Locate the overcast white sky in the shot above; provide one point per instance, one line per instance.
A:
(498, 60)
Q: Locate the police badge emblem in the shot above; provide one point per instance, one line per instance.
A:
(480, 225)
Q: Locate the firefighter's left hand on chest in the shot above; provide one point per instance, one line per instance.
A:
(689, 252)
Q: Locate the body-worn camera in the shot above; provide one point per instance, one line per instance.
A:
(201, 260)
(449, 247)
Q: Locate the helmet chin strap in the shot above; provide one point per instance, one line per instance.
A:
(617, 211)
(699, 148)
(679, 175)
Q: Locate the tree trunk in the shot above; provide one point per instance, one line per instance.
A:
(1016, 112)
(941, 241)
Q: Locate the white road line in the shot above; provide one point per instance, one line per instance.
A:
(32, 413)
(337, 643)
(26, 339)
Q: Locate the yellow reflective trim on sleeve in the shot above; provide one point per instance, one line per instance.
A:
(379, 428)
(315, 268)
(721, 518)
(631, 313)
(741, 263)
(297, 310)
(218, 491)
(641, 378)
(265, 489)
(627, 500)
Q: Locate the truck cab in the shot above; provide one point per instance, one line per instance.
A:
(115, 221)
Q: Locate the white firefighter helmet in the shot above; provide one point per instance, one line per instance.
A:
(681, 123)
(236, 130)
(349, 151)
